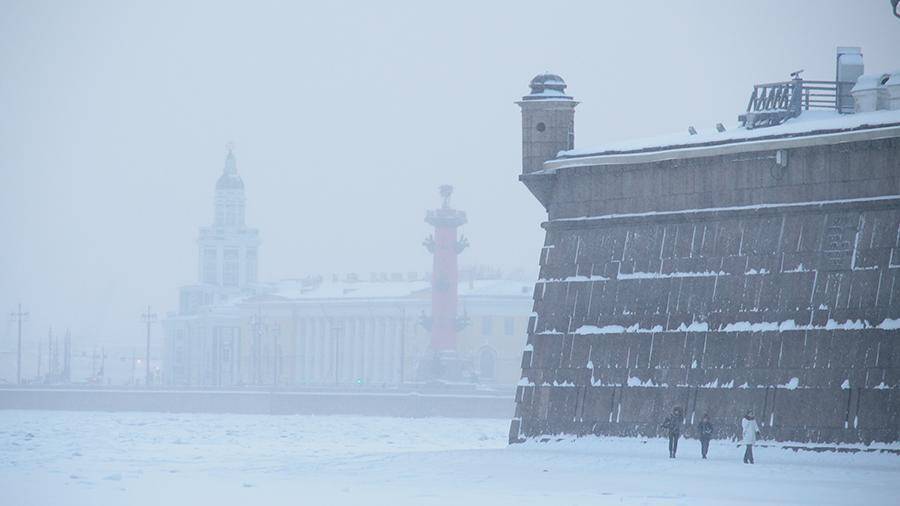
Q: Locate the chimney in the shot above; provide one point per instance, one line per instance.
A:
(848, 68)
(869, 93)
(892, 91)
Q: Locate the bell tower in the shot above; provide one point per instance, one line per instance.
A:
(548, 121)
(228, 248)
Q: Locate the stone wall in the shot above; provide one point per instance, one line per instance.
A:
(682, 290)
(813, 173)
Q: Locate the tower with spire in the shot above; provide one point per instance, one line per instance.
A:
(227, 250)
(203, 339)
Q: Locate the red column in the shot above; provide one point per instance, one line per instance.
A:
(445, 246)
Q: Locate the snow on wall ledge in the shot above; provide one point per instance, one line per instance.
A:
(791, 310)
(807, 124)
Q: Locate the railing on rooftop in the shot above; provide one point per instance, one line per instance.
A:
(773, 103)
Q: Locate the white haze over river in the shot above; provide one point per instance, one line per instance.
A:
(87, 458)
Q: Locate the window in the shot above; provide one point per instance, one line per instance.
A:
(239, 214)
(209, 266)
(230, 217)
(230, 268)
(509, 326)
(486, 325)
(250, 269)
(541, 127)
(301, 327)
(220, 213)
(487, 361)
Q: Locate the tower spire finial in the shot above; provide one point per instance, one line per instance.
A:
(230, 162)
(446, 191)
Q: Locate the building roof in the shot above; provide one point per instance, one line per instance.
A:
(319, 290)
(808, 124)
(547, 86)
(420, 288)
(230, 180)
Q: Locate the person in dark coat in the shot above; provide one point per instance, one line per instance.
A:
(705, 429)
(673, 424)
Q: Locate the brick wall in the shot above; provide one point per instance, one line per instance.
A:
(716, 306)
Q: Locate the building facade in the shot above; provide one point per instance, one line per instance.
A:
(755, 267)
(233, 331)
(344, 332)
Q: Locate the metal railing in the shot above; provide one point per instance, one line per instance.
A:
(773, 103)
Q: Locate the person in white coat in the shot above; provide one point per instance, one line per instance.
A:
(749, 431)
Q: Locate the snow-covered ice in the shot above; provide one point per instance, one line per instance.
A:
(171, 459)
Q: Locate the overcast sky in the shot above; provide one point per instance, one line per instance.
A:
(114, 118)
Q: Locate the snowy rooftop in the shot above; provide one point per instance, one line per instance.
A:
(809, 123)
(420, 288)
(547, 86)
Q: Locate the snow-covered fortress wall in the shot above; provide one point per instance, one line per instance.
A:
(746, 269)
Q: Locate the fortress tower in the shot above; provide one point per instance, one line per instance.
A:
(754, 266)
(548, 121)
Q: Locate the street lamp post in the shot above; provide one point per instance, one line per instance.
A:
(19, 316)
(149, 318)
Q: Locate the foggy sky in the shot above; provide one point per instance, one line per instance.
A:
(114, 118)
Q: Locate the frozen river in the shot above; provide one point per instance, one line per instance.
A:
(81, 458)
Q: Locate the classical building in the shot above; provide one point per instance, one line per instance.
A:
(231, 330)
(749, 267)
(203, 336)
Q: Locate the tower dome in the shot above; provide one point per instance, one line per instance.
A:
(230, 180)
(547, 86)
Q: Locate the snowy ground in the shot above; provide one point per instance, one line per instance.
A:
(56, 458)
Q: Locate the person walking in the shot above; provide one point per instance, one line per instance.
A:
(749, 431)
(673, 424)
(705, 429)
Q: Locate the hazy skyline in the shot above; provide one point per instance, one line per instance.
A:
(346, 117)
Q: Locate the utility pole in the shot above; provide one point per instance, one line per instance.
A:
(402, 343)
(67, 358)
(335, 335)
(102, 362)
(19, 316)
(56, 356)
(50, 354)
(149, 318)
(256, 322)
(40, 361)
(276, 330)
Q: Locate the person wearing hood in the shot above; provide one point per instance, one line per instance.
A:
(749, 432)
(705, 430)
(673, 424)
